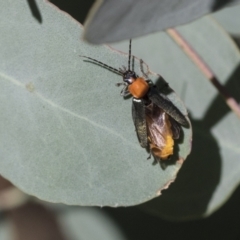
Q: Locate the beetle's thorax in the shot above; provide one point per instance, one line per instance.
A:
(137, 86)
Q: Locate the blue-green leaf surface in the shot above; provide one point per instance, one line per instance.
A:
(229, 18)
(66, 134)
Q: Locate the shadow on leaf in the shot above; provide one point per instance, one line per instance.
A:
(189, 196)
(35, 10)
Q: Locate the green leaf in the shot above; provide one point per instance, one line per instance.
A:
(229, 18)
(110, 21)
(212, 171)
(66, 135)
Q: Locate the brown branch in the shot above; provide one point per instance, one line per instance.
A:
(205, 69)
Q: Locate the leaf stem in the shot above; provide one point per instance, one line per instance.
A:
(205, 69)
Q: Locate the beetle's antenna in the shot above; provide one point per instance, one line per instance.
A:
(129, 54)
(103, 64)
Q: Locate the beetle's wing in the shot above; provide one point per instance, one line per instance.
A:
(176, 129)
(139, 119)
(160, 133)
(156, 125)
(166, 105)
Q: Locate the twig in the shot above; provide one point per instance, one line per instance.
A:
(205, 69)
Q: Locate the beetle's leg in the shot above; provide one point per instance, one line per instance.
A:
(149, 82)
(125, 91)
(141, 67)
(119, 84)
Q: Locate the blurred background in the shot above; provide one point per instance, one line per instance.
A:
(30, 218)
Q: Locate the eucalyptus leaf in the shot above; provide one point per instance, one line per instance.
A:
(112, 20)
(229, 18)
(66, 134)
(212, 171)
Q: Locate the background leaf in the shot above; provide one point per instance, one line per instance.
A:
(111, 21)
(66, 135)
(230, 19)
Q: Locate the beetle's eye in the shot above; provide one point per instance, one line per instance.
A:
(128, 80)
(129, 77)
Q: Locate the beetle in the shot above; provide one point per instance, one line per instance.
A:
(157, 120)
